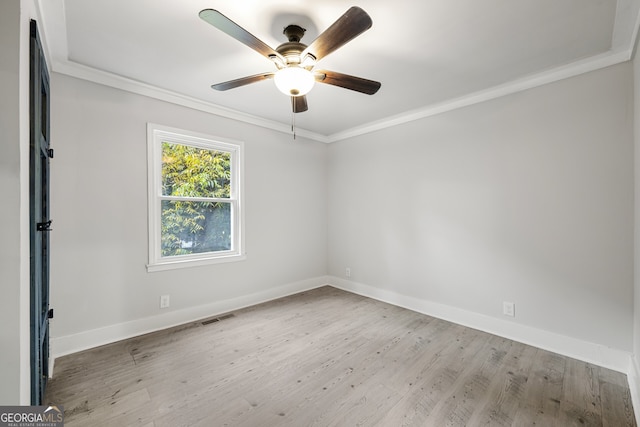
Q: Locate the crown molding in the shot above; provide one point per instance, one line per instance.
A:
(519, 85)
(94, 75)
(627, 22)
(571, 70)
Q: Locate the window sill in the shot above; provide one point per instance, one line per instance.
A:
(186, 263)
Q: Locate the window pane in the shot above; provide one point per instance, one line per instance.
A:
(195, 227)
(195, 172)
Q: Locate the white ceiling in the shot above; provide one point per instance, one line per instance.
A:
(429, 55)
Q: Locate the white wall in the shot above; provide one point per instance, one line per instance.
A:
(100, 288)
(527, 198)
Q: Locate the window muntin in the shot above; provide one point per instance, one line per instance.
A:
(195, 214)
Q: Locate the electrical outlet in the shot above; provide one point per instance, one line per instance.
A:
(347, 272)
(164, 301)
(509, 309)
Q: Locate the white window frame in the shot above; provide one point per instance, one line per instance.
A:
(156, 135)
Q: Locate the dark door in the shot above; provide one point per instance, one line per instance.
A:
(39, 217)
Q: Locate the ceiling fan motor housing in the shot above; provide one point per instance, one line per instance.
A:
(294, 32)
(292, 49)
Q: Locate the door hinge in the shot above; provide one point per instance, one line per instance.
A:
(50, 314)
(50, 153)
(44, 226)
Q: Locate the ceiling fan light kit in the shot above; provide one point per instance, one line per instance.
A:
(294, 60)
(294, 80)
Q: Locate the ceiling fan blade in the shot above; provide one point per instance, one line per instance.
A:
(354, 22)
(346, 81)
(242, 81)
(299, 104)
(226, 25)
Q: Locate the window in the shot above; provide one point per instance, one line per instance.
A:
(195, 209)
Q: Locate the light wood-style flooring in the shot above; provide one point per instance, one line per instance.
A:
(331, 358)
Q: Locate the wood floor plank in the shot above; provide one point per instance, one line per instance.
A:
(616, 404)
(458, 403)
(540, 404)
(499, 404)
(331, 358)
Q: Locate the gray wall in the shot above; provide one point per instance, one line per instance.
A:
(14, 215)
(10, 212)
(636, 323)
(99, 189)
(527, 198)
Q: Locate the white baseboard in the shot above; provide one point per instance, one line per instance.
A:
(617, 360)
(597, 354)
(633, 376)
(61, 346)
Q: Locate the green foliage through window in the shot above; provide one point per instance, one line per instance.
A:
(195, 226)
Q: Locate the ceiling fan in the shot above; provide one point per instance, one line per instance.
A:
(295, 61)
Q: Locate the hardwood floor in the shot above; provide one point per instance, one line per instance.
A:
(331, 358)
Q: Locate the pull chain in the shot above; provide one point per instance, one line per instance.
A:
(293, 117)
